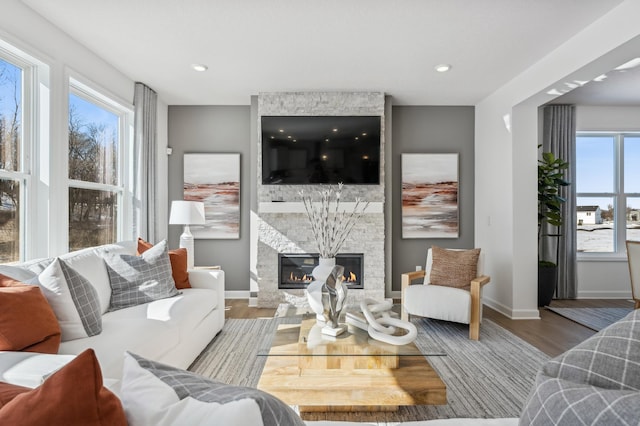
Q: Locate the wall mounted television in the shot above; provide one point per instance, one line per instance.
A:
(300, 150)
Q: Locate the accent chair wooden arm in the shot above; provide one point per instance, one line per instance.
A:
(474, 323)
(407, 278)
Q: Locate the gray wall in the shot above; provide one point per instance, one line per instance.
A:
(214, 129)
(431, 129)
(415, 129)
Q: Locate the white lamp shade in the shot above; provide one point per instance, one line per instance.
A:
(187, 213)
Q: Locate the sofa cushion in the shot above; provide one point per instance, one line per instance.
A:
(150, 338)
(72, 396)
(609, 359)
(453, 268)
(178, 259)
(73, 299)
(184, 311)
(157, 394)
(27, 322)
(561, 402)
(140, 279)
(28, 368)
(17, 273)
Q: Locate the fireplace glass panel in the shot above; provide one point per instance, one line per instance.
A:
(295, 271)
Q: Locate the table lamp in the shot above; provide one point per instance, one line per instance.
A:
(187, 213)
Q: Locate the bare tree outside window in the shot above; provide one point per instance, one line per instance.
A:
(93, 159)
(10, 147)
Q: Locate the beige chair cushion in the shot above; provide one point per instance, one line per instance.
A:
(454, 268)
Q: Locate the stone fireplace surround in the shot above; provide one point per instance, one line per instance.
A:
(283, 226)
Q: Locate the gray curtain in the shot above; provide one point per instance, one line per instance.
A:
(145, 124)
(559, 134)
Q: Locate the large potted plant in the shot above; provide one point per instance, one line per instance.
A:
(551, 172)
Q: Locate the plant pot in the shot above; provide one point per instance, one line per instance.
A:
(547, 283)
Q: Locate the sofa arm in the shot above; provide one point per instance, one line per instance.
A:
(210, 279)
(207, 278)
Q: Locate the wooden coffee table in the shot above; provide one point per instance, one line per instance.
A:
(351, 372)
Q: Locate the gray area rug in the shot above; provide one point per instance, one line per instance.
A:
(594, 318)
(490, 378)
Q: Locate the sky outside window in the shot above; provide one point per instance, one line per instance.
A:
(89, 113)
(10, 88)
(632, 164)
(594, 169)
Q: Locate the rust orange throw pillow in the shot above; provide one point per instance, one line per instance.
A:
(74, 395)
(178, 258)
(27, 322)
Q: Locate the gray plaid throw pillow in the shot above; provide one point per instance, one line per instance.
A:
(609, 359)
(85, 298)
(595, 383)
(561, 402)
(140, 279)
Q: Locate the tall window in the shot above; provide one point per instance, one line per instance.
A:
(608, 191)
(96, 184)
(12, 161)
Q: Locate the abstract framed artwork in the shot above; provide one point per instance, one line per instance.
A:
(430, 196)
(214, 179)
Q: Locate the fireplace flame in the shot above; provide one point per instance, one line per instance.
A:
(295, 278)
(352, 278)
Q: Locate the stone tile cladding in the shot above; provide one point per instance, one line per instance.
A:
(290, 232)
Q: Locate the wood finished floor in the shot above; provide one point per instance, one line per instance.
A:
(552, 333)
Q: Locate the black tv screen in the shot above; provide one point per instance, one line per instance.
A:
(320, 149)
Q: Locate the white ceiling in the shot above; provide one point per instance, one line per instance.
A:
(253, 46)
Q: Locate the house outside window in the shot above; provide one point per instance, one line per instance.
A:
(98, 144)
(14, 155)
(607, 192)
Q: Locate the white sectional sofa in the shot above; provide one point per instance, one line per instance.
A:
(173, 330)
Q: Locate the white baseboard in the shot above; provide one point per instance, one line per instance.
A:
(236, 294)
(515, 314)
(612, 294)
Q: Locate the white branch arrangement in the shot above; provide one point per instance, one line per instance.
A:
(330, 226)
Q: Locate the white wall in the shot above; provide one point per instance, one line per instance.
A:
(506, 162)
(29, 32)
(602, 278)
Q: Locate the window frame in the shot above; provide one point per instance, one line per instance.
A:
(123, 188)
(618, 195)
(28, 143)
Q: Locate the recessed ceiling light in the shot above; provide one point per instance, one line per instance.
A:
(443, 67)
(335, 130)
(199, 67)
(281, 130)
(364, 133)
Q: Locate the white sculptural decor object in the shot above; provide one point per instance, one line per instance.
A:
(327, 299)
(380, 325)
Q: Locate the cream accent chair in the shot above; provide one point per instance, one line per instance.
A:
(633, 256)
(444, 303)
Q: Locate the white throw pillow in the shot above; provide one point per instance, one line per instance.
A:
(161, 395)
